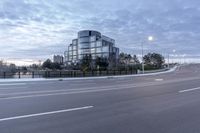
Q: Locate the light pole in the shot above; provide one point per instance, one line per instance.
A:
(142, 57)
(150, 38)
(174, 51)
(184, 59)
(168, 58)
(168, 61)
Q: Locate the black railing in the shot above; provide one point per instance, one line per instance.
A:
(71, 74)
(65, 74)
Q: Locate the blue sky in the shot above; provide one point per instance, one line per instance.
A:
(37, 29)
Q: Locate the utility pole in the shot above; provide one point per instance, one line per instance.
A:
(168, 60)
(142, 57)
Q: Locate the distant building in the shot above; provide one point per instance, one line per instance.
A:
(4, 67)
(58, 59)
(1, 63)
(91, 43)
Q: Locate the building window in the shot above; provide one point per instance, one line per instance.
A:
(99, 44)
(104, 43)
(105, 55)
(74, 42)
(80, 57)
(74, 57)
(98, 55)
(93, 38)
(93, 44)
(70, 53)
(99, 50)
(105, 49)
(93, 50)
(74, 53)
(85, 51)
(83, 33)
(84, 39)
(70, 47)
(66, 54)
(84, 45)
(93, 56)
(74, 47)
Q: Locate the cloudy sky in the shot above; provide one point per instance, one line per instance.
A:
(37, 29)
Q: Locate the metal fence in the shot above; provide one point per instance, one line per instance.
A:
(64, 74)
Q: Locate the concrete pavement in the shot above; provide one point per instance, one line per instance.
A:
(165, 103)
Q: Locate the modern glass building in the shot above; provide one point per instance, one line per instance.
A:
(91, 43)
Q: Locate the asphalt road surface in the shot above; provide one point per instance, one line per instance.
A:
(166, 103)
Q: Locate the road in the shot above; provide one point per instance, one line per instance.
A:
(166, 103)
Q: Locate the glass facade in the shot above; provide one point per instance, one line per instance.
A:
(99, 44)
(84, 40)
(91, 42)
(84, 45)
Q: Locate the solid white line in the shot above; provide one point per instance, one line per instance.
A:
(45, 113)
(79, 91)
(41, 92)
(188, 90)
(13, 88)
(73, 92)
(59, 93)
(12, 84)
(29, 94)
(159, 79)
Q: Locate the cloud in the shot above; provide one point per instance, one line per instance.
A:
(39, 28)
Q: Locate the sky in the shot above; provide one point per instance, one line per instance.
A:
(36, 29)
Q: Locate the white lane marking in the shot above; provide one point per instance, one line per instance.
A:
(13, 88)
(12, 84)
(40, 92)
(74, 92)
(159, 79)
(90, 90)
(85, 83)
(45, 113)
(188, 90)
(59, 93)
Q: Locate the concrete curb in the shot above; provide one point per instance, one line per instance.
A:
(86, 78)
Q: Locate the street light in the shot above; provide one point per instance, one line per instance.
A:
(168, 61)
(184, 59)
(174, 51)
(172, 60)
(150, 38)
